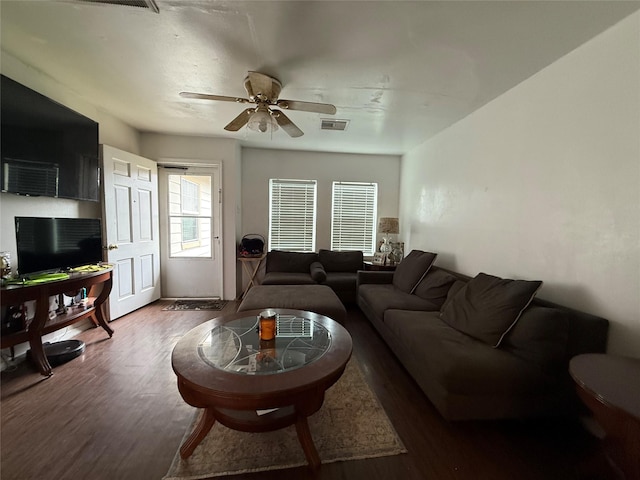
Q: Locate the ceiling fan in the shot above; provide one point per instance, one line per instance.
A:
(263, 90)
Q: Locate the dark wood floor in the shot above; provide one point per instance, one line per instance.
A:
(115, 413)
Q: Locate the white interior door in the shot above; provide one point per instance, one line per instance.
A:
(190, 230)
(131, 229)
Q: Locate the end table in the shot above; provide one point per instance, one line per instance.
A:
(379, 268)
(247, 264)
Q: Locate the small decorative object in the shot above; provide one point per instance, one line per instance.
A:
(267, 325)
(388, 226)
(397, 253)
(5, 265)
(378, 258)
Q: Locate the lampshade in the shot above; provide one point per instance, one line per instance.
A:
(388, 225)
(262, 121)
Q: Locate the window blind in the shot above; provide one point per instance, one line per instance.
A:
(353, 215)
(292, 215)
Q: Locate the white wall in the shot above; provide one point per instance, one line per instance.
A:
(544, 183)
(209, 150)
(258, 166)
(111, 131)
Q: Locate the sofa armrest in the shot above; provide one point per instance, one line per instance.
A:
(366, 276)
(318, 272)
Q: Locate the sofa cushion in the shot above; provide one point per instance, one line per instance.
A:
(341, 261)
(487, 307)
(412, 269)
(341, 280)
(455, 288)
(318, 273)
(382, 297)
(460, 363)
(540, 337)
(287, 278)
(435, 286)
(290, 262)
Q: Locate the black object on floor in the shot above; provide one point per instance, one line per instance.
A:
(61, 352)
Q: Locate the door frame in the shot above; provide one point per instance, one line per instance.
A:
(217, 208)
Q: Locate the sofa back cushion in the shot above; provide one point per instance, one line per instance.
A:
(540, 337)
(412, 269)
(289, 262)
(435, 286)
(487, 307)
(451, 294)
(333, 261)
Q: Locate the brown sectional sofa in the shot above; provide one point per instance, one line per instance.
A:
(482, 347)
(337, 270)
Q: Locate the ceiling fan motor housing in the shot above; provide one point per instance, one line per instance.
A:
(262, 88)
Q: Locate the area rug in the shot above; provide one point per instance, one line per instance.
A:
(187, 304)
(351, 425)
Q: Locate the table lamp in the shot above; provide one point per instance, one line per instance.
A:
(388, 226)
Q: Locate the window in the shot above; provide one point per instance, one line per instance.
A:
(190, 215)
(189, 229)
(292, 215)
(353, 214)
(189, 193)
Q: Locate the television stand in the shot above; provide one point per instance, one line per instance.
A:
(42, 324)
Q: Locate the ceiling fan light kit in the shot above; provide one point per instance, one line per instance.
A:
(264, 90)
(262, 121)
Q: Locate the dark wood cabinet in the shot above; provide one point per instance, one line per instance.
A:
(380, 268)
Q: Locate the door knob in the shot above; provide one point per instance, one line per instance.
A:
(112, 247)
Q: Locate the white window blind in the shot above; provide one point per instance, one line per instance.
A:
(292, 215)
(353, 215)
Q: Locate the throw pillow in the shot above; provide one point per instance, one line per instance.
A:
(412, 269)
(318, 272)
(540, 337)
(334, 261)
(487, 307)
(435, 286)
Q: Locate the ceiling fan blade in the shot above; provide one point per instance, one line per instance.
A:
(206, 96)
(261, 85)
(307, 106)
(286, 124)
(240, 121)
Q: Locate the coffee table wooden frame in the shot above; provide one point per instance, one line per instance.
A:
(232, 399)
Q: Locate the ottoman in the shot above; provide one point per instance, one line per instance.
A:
(313, 298)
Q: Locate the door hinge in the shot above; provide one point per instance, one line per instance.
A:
(220, 195)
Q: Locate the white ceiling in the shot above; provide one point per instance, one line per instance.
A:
(398, 71)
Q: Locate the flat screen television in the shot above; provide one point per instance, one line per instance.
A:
(57, 244)
(47, 148)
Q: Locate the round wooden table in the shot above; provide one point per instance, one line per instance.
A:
(255, 386)
(610, 386)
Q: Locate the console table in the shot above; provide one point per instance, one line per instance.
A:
(41, 324)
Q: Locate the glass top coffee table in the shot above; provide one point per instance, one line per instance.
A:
(257, 386)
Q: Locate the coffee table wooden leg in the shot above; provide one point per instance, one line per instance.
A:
(199, 432)
(306, 440)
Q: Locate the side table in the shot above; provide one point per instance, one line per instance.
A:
(379, 268)
(609, 386)
(250, 267)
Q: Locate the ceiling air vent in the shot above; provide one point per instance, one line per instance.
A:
(148, 4)
(328, 124)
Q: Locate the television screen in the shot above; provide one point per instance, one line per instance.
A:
(54, 244)
(47, 148)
